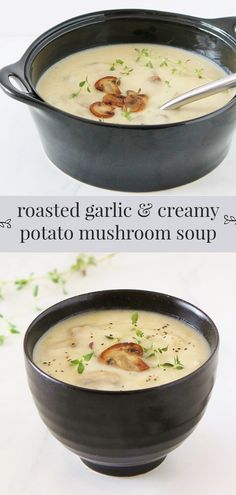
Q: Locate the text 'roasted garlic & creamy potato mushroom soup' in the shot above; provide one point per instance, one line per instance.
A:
(127, 83)
(120, 350)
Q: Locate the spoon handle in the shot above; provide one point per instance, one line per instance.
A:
(201, 92)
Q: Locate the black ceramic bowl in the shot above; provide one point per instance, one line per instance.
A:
(119, 157)
(122, 433)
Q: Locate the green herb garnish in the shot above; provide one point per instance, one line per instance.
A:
(82, 262)
(139, 333)
(22, 282)
(165, 62)
(83, 84)
(8, 327)
(127, 114)
(57, 278)
(134, 318)
(111, 337)
(199, 73)
(153, 352)
(142, 53)
(35, 291)
(117, 62)
(177, 364)
(79, 363)
(125, 69)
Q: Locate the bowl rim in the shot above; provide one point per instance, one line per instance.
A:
(165, 386)
(66, 26)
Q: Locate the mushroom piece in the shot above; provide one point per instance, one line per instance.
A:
(102, 110)
(135, 102)
(109, 85)
(155, 78)
(125, 355)
(117, 101)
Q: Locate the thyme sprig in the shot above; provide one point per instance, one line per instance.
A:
(8, 327)
(122, 66)
(199, 73)
(146, 55)
(81, 362)
(82, 84)
(127, 114)
(152, 352)
(177, 365)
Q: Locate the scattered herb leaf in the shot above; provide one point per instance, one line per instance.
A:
(199, 73)
(89, 356)
(139, 333)
(134, 318)
(82, 84)
(127, 114)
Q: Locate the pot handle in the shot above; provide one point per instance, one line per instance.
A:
(227, 24)
(24, 94)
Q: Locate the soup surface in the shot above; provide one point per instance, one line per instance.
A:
(126, 84)
(120, 350)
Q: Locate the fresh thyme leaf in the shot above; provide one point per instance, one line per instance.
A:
(127, 114)
(57, 278)
(75, 362)
(164, 63)
(166, 365)
(22, 282)
(54, 276)
(13, 329)
(199, 73)
(149, 64)
(35, 291)
(82, 84)
(118, 61)
(2, 339)
(134, 318)
(162, 349)
(151, 355)
(168, 84)
(82, 262)
(178, 365)
(142, 53)
(139, 333)
(127, 70)
(110, 337)
(89, 356)
(80, 367)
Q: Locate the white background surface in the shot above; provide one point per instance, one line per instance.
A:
(25, 168)
(34, 463)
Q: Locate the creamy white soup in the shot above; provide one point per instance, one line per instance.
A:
(120, 350)
(127, 84)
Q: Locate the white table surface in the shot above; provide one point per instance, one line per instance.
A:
(34, 463)
(25, 169)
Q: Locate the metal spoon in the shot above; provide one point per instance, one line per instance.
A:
(201, 92)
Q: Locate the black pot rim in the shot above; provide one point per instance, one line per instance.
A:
(67, 25)
(165, 386)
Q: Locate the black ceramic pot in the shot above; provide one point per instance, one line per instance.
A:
(122, 433)
(134, 158)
